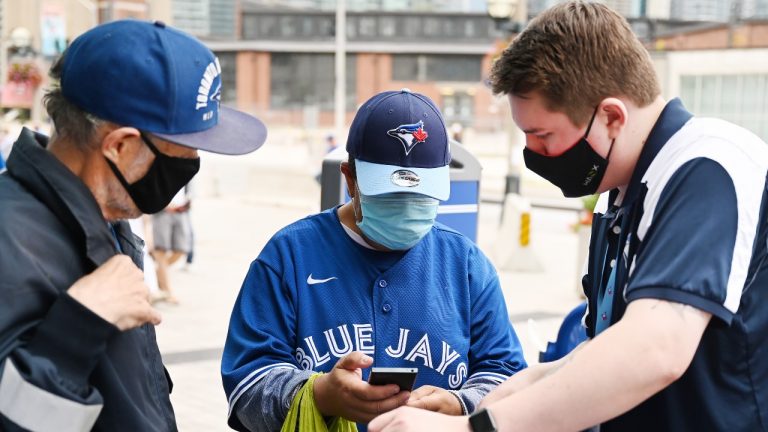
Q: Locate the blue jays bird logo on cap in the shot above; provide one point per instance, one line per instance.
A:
(409, 135)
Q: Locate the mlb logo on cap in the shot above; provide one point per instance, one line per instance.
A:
(399, 142)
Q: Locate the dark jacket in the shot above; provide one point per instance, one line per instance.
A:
(61, 365)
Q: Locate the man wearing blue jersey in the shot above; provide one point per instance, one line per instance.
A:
(373, 282)
(677, 276)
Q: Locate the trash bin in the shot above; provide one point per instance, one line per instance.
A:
(459, 212)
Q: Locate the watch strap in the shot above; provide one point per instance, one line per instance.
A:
(482, 421)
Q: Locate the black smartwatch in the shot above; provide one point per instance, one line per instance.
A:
(482, 421)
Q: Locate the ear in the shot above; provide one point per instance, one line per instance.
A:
(350, 178)
(117, 142)
(614, 114)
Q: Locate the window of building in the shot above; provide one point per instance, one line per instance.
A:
(740, 99)
(288, 27)
(454, 68)
(410, 27)
(258, 26)
(388, 26)
(405, 67)
(458, 107)
(192, 17)
(434, 67)
(223, 16)
(295, 27)
(367, 27)
(326, 26)
(476, 6)
(307, 26)
(301, 80)
(432, 27)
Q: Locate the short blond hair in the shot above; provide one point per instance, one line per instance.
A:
(576, 54)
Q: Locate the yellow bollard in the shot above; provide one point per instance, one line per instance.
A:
(517, 255)
(525, 229)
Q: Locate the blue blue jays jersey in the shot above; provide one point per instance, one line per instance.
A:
(692, 228)
(314, 295)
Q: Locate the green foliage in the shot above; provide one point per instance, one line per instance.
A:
(589, 202)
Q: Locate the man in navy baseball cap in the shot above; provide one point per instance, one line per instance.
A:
(132, 103)
(397, 169)
(373, 282)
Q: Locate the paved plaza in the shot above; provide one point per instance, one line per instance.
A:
(242, 201)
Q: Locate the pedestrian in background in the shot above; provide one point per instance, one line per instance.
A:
(172, 235)
(134, 102)
(330, 143)
(677, 274)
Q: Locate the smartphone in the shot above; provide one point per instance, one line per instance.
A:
(403, 377)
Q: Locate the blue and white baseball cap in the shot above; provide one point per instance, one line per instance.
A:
(399, 142)
(159, 80)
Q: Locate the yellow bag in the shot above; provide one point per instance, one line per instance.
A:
(303, 416)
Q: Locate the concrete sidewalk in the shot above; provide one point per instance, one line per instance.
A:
(243, 201)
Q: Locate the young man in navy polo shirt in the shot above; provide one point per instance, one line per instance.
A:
(677, 276)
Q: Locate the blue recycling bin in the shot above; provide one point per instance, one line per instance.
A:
(458, 212)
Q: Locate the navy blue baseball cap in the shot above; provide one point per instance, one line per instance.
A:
(159, 80)
(399, 142)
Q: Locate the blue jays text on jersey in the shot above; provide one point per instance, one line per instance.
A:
(417, 350)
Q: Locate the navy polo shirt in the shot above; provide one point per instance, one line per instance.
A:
(691, 228)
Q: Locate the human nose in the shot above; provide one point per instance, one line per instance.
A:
(536, 145)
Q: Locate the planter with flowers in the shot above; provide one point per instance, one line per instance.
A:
(23, 80)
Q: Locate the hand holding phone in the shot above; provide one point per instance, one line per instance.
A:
(403, 377)
(342, 392)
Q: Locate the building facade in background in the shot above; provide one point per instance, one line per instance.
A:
(32, 34)
(283, 64)
(111, 10)
(277, 56)
(208, 19)
(702, 10)
(628, 8)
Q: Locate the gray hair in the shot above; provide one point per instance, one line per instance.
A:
(70, 122)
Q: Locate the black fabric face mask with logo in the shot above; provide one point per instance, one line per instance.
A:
(165, 177)
(577, 172)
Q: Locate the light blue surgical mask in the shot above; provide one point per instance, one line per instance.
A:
(397, 221)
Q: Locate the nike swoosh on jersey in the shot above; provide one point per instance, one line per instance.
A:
(313, 281)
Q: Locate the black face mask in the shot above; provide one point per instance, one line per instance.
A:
(165, 177)
(577, 172)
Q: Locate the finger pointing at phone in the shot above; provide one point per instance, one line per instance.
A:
(343, 393)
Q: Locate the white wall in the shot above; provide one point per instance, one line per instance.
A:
(672, 64)
(658, 9)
